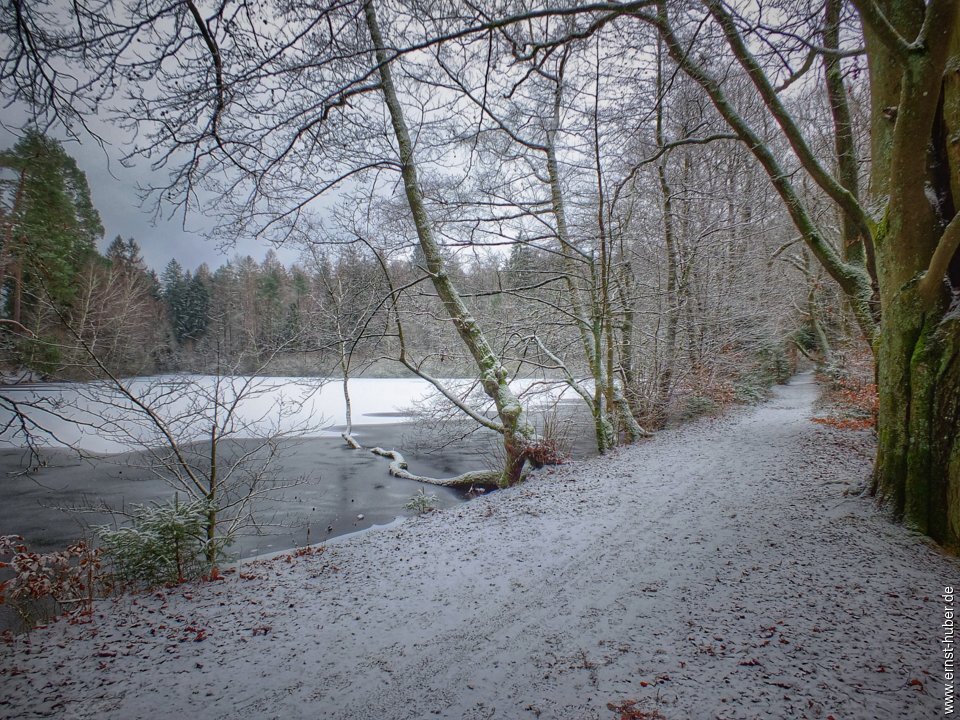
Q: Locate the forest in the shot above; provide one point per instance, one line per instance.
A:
(337, 301)
(650, 198)
(660, 204)
(720, 240)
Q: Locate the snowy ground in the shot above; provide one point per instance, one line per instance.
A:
(725, 570)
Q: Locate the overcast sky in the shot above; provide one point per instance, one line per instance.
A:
(114, 191)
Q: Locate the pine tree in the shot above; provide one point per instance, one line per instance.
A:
(50, 224)
(126, 252)
(188, 301)
(193, 309)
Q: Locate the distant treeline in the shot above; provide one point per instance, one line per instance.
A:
(354, 306)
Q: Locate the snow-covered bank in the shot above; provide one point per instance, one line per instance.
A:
(724, 570)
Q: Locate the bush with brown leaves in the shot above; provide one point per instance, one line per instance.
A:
(42, 585)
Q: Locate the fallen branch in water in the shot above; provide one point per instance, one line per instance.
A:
(398, 468)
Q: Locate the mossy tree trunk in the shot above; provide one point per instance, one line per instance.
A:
(917, 470)
(916, 113)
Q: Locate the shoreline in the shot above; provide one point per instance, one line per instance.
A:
(723, 569)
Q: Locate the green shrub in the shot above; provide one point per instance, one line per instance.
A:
(166, 543)
(751, 388)
(775, 363)
(806, 338)
(698, 406)
(771, 366)
(421, 502)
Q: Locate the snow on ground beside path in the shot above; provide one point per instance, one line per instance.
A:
(724, 570)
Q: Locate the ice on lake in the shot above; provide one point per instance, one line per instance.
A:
(99, 418)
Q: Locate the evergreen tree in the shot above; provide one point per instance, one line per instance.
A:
(50, 224)
(172, 288)
(188, 301)
(193, 308)
(126, 252)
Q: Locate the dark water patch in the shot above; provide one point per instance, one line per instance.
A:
(330, 485)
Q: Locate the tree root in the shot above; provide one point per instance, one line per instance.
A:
(398, 468)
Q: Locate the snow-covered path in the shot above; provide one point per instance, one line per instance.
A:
(724, 570)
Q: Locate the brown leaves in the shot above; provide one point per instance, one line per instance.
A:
(850, 399)
(309, 550)
(846, 423)
(628, 710)
(67, 577)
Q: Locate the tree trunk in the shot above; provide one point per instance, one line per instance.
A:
(517, 434)
(917, 472)
(603, 428)
(16, 303)
(467, 481)
(844, 143)
(212, 498)
(627, 352)
(665, 379)
(347, 434)
(823, 342)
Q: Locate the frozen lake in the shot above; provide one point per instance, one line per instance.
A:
(98, 448)
(99, 419)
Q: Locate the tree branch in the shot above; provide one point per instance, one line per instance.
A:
(398, 468)
(848, 203)
(932, 281)
(853, 279)
(871, 16)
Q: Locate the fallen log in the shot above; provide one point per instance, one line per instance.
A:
(399, 468)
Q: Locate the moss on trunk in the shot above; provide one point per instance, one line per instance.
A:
(917, 472)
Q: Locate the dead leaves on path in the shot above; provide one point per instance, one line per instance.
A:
(628, 710)
(850, 401)
(842, 423)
